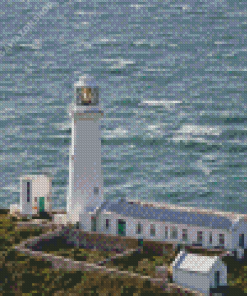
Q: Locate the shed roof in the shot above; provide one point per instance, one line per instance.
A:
(173, 215)
(193, 262)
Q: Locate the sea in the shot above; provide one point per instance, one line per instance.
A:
(172, 77)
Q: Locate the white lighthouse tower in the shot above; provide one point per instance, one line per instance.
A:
(85, 173)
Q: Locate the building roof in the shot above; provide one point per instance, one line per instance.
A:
(193, 262)
(173, 215)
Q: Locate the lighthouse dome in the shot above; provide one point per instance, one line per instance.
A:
(86, 81)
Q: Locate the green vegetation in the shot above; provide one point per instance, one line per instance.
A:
(24, 275)
(91, 256)
(143, 262)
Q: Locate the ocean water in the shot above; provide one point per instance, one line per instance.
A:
(172, 78)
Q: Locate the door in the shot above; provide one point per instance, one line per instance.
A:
(41, 204)
(216, 279)
(121, 227)
(140, 242)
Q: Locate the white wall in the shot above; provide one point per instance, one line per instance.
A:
(41, 186)
(192, 280)
(241, 227)
(14, 208)
(85, 221)
(60, 219)
(219, 266)
(85, 164)
(131, 224)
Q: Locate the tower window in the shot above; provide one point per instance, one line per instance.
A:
(28, 191)
(96, 190)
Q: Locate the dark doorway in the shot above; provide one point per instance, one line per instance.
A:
(216, 279)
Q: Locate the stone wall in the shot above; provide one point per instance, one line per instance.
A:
(101, 241)
(110, 242)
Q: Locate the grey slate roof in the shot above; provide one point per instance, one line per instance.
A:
(138, 211)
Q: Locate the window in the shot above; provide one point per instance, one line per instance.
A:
(93, 224)
(241, 240)
(107, 223)
(28, 191)
(166, 232)
(174, 234)
(221, 239)
(199, 237)
(35, 199)
(96, 190)
(184, 234)
(139, 228)
(210, 238)
(152, 230)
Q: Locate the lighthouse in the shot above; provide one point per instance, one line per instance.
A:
(85, 172)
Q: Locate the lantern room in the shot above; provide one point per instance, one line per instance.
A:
(86, 92)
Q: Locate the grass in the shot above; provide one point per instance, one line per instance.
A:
(59, 247)
(143, 262)
(91, 256)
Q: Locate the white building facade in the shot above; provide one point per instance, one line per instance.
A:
(85, 176)
(131, 219)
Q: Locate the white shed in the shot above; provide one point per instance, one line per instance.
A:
(199, 273)
(35, 194)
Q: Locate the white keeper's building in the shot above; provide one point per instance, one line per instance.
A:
(35, 195)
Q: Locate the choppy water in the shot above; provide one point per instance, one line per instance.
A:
(172, 78)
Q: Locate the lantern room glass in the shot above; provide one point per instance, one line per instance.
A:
(87, 96)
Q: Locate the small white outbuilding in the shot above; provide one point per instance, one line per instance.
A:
(35, 195)
(199, 273)
(36, 192)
